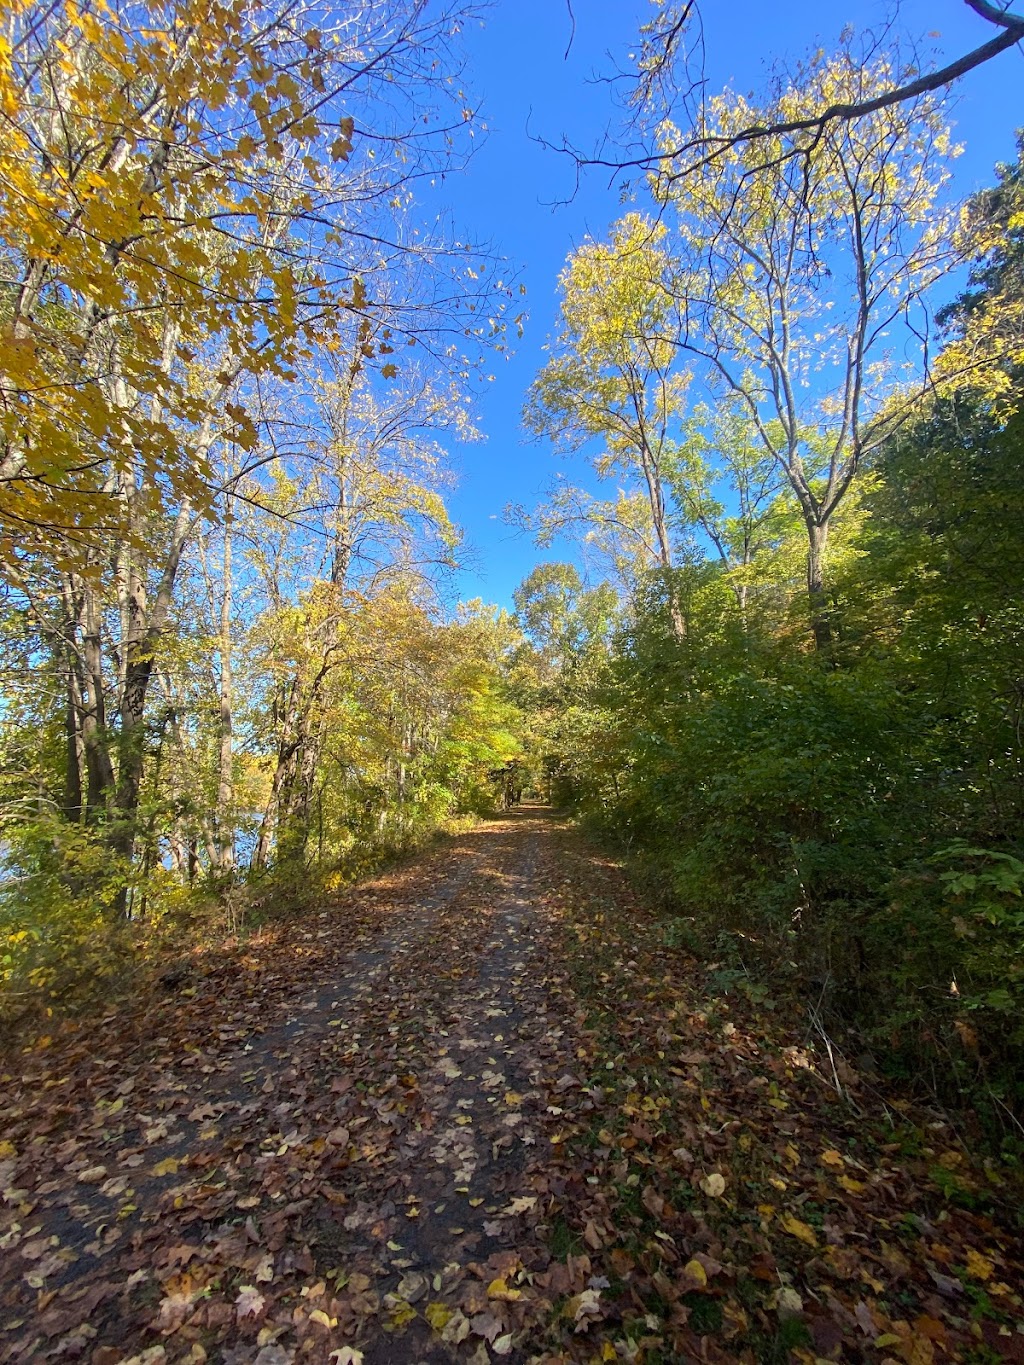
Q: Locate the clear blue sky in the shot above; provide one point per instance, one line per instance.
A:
(513, 193)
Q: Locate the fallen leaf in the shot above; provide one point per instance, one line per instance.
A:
(799, 1230)
(521, 1205)
(413, 1286)
(713, 1184)
(456, 1329)
(979, 1267)
(695, 1273)
(788, 1302)
(250, 1302)
(438, 1315)
(485, 1325)
(498, 1289)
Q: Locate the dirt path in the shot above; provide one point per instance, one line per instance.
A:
(309, 1153)
(477, 1111)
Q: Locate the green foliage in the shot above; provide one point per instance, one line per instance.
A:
(847, 820)
(59, 936)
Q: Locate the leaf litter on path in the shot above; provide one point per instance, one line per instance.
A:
(475, 1111)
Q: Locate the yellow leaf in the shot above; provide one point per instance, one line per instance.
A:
(7, 1150)
(498, 1289)
(695, 1273)
(832, 1158)
(168, 1166)
(852, 1186)
(400, 1316)
(799, 1230)
(978, 1266)
(514, 1098)
(318, 1315)
(437, 1314)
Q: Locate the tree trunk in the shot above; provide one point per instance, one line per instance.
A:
(145, 628)
(73, 758)
(99, 770)
(821, 619)
(225, 777)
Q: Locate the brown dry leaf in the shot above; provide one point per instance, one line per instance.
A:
(486, 1325)
(250, 1302)
(456, 1329)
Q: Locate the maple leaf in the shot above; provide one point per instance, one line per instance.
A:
(177, 1302)
(485, 1325)
(523, 1204)
(250, 1302)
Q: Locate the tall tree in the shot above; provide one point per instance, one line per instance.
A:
(801, 257)
(613, 383)
(180, 178)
